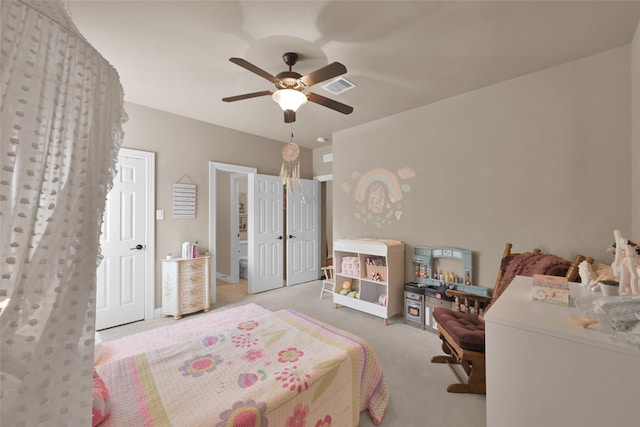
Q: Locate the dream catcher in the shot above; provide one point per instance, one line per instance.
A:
(290, 171)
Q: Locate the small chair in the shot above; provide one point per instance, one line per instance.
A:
(329, 282)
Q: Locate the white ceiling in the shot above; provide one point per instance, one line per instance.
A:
(173, 55)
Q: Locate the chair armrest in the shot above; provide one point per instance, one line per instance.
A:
(467, 296)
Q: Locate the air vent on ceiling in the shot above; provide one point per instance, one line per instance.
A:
(338, 86)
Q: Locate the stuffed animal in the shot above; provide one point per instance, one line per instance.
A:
(346, 287)
(625, 266)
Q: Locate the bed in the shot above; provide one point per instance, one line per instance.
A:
(245, 366)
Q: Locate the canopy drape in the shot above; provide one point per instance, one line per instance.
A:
(62, 115)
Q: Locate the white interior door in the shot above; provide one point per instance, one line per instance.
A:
(124, 273)
(265, 233)
(303, 233)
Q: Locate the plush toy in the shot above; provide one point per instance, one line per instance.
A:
(625, 266)
(587, 275)
(346, 287)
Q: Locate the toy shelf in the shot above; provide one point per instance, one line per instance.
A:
(375, 271)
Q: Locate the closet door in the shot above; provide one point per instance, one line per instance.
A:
(303, 233)
(265, 233)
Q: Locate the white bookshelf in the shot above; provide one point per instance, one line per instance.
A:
(370, 289)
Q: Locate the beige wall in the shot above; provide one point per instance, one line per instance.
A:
(184, 147)
(540, 161)
(319, 167)
(635, 134)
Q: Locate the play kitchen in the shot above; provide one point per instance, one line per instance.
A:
(436, 270)
(419, 302)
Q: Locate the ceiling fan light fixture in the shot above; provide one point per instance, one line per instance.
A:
(289, 99)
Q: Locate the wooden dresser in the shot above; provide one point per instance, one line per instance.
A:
(186, 286)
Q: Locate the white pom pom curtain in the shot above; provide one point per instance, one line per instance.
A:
(62, 114)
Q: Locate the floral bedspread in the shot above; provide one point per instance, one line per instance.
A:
(278, 369)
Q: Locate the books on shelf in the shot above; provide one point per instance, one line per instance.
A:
(189, 250)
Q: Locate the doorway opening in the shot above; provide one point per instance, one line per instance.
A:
(326, 221)
(267, 234)
(224, 219)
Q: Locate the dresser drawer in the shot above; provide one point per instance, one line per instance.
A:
(195, 266)
(191, 304)
(188, 280)
(193, 290)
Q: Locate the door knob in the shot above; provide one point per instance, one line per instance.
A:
(138, 247)
(279, 237)
(291, 236)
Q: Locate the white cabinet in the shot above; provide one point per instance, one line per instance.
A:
(186, 286)
(544, 370)
(375, 271)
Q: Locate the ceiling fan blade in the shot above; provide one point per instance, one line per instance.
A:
(259, 71)
(330, 103)
(247, 96)
(325, 73)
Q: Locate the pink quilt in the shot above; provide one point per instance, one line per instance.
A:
(274, 369)
(181, 330)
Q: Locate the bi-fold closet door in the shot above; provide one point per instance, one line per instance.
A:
(283, 233)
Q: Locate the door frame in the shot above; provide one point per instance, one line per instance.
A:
(323, 211)
(234, 227)
(150, 224)
(214, 168)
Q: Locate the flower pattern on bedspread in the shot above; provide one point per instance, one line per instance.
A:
(209, 341)
(200, 365)
(247, 326)
(326, 422)
(290, 355)
(253, 355)
(293, 379)
(244, 340)
(280, 369)
(299, 417)
(244, 414)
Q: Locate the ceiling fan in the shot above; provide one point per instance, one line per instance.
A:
(290, 86)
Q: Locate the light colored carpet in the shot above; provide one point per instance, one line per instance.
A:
(418, 388)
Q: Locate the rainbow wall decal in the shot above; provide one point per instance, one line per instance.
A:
(378, 194)
(383, 176)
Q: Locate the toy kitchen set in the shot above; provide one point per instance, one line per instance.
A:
(436, 270)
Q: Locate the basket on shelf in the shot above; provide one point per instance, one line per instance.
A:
(377, 272)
